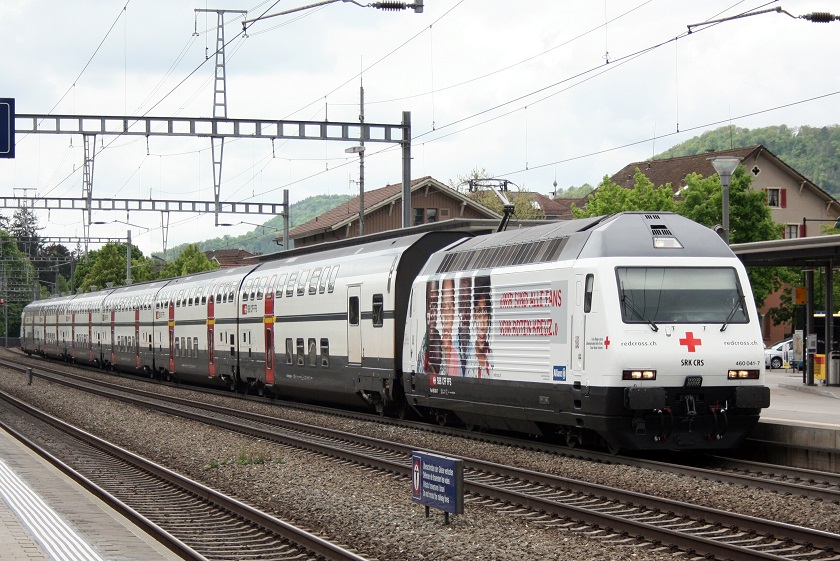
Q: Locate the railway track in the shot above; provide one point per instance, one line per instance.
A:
(601, 511)
(162, 502)
(813, 484)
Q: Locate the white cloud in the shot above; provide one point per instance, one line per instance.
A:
(580, 109)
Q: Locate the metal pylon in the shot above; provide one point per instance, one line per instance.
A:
(217, 143)
(89, 141)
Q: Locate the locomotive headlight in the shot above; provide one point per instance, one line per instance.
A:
(743, 375)
(638, 375)
(667, 243)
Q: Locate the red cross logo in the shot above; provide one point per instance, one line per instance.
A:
(607, 342)
(690, 342)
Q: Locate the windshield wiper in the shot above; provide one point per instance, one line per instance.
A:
(738, 303)
(641, 316)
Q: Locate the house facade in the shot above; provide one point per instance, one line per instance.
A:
(798, 205)
(431, 201)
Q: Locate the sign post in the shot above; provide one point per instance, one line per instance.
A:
(437, 481)
(7, 127)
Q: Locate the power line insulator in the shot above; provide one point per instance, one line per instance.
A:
(820, 17)
(389, 6)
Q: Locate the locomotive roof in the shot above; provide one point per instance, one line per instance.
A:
(631, 234)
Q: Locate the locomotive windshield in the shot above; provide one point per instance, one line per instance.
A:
(680, 295)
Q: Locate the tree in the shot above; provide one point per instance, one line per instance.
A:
(523, 204)
(190, 261)
(573, 192)
(24, 227)
(749, 221)
(108, 265)
(17, 282)
(610, 198)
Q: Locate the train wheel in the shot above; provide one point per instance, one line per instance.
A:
(441, 418)
(572, 440)
(613, 447)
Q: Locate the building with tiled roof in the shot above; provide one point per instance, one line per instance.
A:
(227, 258)
(793, 198)
(431, 201)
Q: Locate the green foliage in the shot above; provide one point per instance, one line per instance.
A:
(108, 265)
(749, 221)
(523, 204)
(610, 198)
(17, 276)
(573, 192)
(190, 261)
(261, 239)
(812, 151)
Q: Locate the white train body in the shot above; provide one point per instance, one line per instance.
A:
(638, 330)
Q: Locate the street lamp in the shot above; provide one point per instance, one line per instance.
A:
(725, 167)
(360, 150)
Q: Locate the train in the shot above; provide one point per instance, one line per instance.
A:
(635, 331)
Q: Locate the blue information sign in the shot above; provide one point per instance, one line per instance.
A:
(7, 127)
(438, 482)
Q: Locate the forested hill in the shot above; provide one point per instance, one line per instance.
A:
(261, 239)
(812, 151)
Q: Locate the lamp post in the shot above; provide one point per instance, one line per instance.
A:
(725, 167)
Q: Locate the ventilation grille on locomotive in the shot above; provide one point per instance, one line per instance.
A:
(503, 256)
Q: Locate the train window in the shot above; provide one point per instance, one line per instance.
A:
(246, 288)
(289, 350)
(313, 352)
(290, 286)
(378, 310)
(261, 288)
(281, 284)
(301, 287)
(177, 347)
(269, 289)
(253, 289)
(219, 291)
(189, 298)
(353, 310)
(300, 351)
(313, 283)
(189, 347)
(178, 300)
(324, 278)
(325, 352)
(587, 293)
(231, 291)
(333, 275)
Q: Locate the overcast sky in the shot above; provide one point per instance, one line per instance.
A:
(535, 91)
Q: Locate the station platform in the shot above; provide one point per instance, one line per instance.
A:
(801, 428)
(45, 515)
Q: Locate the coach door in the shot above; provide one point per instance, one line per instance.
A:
(171, 329)
(137, 362)
(268, 327)
(211, 331)
(354, 324)
(583, 301)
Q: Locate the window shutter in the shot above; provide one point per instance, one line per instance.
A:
(783, 198)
